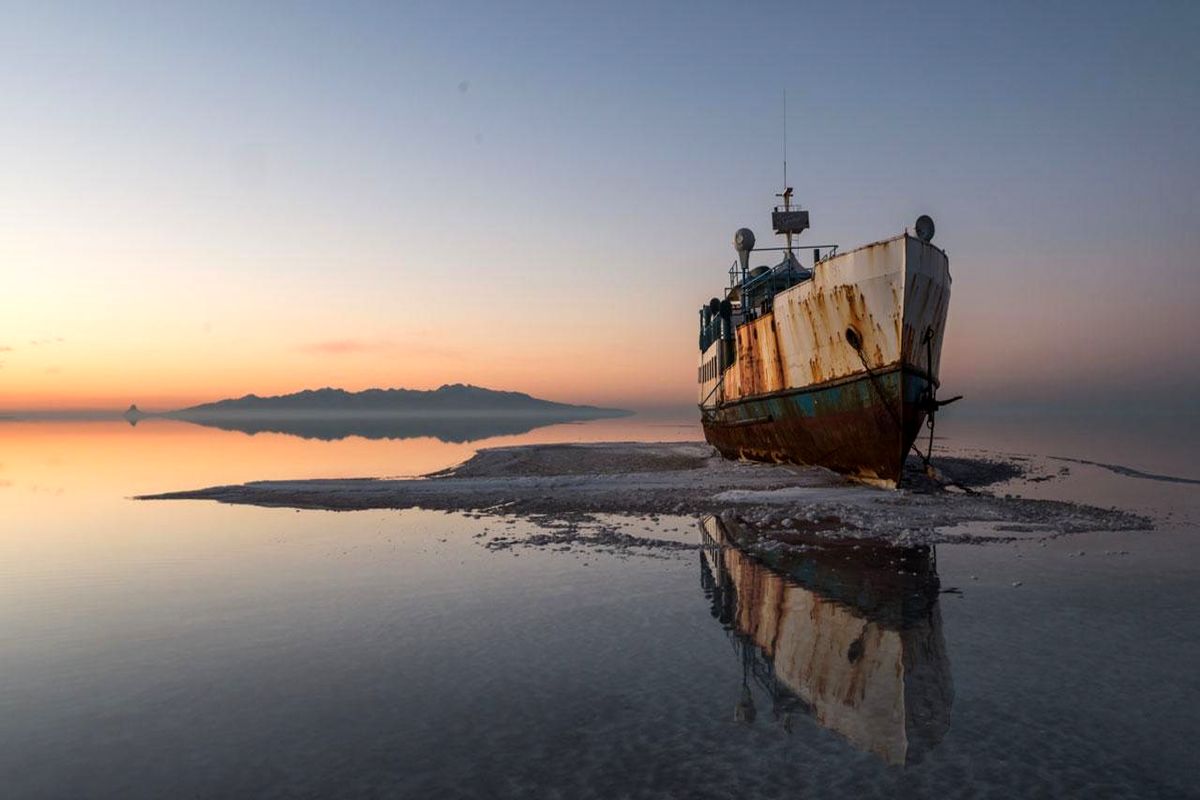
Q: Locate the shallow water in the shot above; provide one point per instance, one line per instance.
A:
(201, 650)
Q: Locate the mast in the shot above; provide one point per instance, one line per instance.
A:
(787, 190)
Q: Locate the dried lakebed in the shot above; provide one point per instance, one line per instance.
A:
(579, 493)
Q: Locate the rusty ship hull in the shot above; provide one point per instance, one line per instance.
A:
(838, 369)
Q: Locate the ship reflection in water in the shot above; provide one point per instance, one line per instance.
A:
(846, 633)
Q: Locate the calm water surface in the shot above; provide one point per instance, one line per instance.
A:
(199, 650)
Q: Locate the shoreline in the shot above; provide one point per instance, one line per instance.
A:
(552, 483)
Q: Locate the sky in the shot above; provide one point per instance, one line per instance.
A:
(204, 200)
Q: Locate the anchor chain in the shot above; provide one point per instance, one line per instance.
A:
(929, 403)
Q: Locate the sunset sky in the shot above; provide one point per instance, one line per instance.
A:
(205, 200)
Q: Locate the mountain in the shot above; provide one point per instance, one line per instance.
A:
(455, 399)
(454, 413)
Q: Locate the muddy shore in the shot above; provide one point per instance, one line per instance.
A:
(566, 487)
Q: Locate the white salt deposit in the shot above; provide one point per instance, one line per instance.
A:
(566, 488)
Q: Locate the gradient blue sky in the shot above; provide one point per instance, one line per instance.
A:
(200, 200)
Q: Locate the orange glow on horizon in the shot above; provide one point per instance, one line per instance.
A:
(67, 376)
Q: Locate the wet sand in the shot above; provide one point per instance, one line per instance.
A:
(565, 486)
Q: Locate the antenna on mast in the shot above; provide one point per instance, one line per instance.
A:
(787, 191)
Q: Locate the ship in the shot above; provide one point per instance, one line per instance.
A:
(833, 362)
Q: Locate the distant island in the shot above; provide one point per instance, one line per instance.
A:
(453, 413)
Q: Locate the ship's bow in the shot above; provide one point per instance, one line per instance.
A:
(923, 328)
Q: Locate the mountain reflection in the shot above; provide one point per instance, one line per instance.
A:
(847, 633)
(455, 429)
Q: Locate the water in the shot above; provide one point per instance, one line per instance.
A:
(200, 650)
